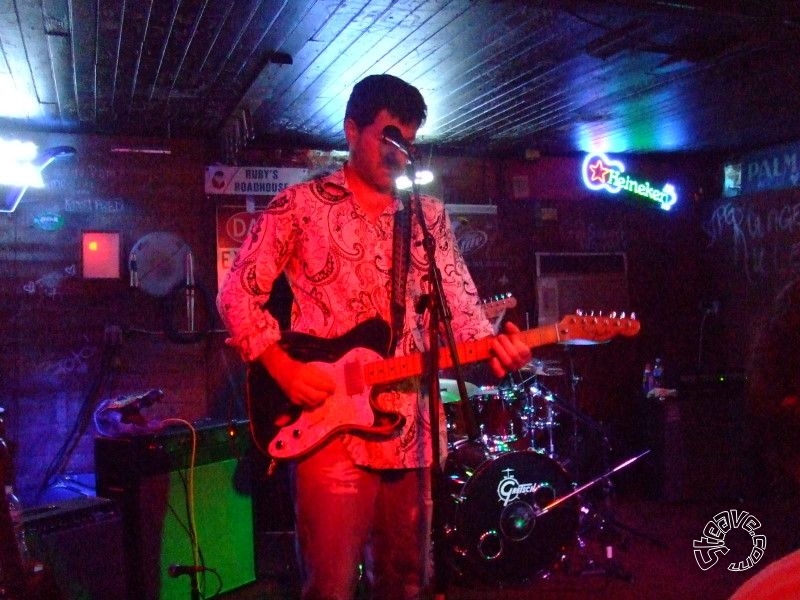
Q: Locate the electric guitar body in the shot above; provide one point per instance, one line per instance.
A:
(357, 362)
(290, 431)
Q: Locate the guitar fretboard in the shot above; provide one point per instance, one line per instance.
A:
(402, 367)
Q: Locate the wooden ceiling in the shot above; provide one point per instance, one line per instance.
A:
(499, 76)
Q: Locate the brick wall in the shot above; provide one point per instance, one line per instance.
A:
(68, 343)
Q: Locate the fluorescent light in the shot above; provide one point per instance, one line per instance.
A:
(16, 164)
(15, 104)
(17, 150)
(20, 175)
(141, 151)
(21, 167)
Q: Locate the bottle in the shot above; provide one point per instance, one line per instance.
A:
(647, 378)
(658, 374)
(15, 512)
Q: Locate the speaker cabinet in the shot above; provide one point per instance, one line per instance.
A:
(273, 519)
(149, 478)
(80, 541)
(697, 440)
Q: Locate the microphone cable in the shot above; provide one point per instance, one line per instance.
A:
(190, 490)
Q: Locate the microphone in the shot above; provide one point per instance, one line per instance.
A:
(178, 570)
(391, 135)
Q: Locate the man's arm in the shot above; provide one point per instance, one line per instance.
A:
(304, 384)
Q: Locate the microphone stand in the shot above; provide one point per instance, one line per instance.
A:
(440, 314)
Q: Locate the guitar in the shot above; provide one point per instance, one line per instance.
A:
(496, 309)
(357, 363)
(498, 306)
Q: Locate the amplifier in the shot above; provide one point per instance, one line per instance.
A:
(148, 477)
(80, 541)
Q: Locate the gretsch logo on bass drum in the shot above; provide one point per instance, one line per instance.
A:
(509, 489)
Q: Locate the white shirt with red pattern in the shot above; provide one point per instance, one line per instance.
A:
(338, 265)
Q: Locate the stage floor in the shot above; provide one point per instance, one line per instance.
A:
(653, 555)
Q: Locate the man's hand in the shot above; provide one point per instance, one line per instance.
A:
(304, 384)
(509, 351)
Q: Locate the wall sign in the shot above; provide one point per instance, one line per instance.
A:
(772, 169)
(234, 222)
(252, 181)
(600, 172)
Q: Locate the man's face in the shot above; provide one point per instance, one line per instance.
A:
(377, 162)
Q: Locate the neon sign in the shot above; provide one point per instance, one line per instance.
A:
(602, 173)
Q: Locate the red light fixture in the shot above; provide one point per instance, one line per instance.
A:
(100, 256)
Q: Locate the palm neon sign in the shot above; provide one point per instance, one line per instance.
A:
(603, 173)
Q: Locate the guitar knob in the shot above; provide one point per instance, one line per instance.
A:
(296, 433)
(279, 444)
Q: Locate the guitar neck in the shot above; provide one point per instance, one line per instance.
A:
(402, 367)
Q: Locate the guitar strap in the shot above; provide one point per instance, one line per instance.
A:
(401, 254)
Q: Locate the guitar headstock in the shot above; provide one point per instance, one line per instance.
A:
(583, 329)
(497, 305)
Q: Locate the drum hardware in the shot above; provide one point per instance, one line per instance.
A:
(499, 420)
(539, 409)
(492, 528)
(515, 511)
(533, 390)
(589, 484)
(606, 527)
(513, 515)
(544, 368)
(509, 417)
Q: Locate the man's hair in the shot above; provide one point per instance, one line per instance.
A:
(376, 92)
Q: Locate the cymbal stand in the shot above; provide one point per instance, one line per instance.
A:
(531, 387)
(606, 526)
(550, 423)
(574, 380)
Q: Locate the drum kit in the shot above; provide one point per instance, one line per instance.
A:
(512, 509)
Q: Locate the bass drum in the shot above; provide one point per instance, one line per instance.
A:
(491, 524)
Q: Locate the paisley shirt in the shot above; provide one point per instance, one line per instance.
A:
(338, 265)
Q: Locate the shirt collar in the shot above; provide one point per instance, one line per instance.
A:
(337, 181)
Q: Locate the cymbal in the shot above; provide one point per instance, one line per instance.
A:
(582, 342)
(544, 368)
(448, 389)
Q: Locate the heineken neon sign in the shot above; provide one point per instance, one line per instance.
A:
(602, 173)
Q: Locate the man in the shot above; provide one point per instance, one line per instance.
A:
(357, 499)
(773, 418)
(773, 382)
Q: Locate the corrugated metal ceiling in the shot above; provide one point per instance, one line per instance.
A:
(499, 76)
